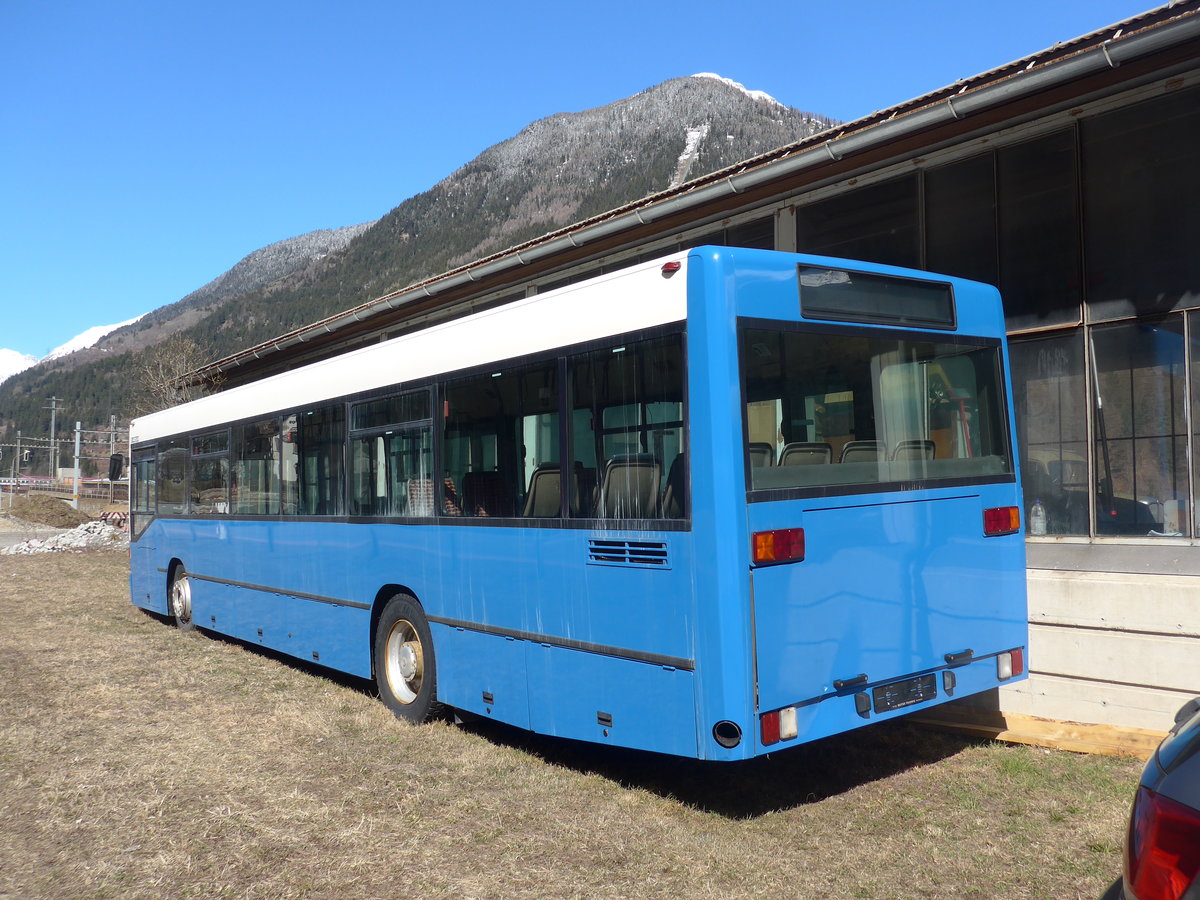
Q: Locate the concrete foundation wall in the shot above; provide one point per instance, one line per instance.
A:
(1110, 649)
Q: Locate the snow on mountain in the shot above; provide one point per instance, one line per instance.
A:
(754, 95)
(87, 338)
(12, 362)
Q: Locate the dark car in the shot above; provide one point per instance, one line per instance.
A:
(1162, 851)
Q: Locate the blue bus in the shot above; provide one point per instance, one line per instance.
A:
(711, 505)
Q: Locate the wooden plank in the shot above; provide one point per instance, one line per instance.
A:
(1161, 604)
(1107, 740)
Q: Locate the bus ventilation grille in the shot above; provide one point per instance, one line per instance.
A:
(652, 554)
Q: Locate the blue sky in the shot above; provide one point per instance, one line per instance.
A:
(147, 147)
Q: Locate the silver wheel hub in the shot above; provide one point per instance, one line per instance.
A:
(404, 662)
(181, 600)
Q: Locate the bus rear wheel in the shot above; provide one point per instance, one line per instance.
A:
(180, 599)
(405, 672)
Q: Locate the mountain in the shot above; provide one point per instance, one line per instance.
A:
(556, 171)
(12, 362)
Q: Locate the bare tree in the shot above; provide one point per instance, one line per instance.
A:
(164, 375)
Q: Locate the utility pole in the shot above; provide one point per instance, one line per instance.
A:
(75, 495)
(112, 449)
(53, 407)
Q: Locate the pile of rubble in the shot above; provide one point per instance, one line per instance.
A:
(89, 536)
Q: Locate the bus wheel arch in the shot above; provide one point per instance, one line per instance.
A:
(179, 596)
(403, 658)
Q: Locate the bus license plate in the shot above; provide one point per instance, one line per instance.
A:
(904, 693)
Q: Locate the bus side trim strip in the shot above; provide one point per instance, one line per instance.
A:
(319, 598)
(671, 662)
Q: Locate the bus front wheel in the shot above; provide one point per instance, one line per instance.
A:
(404, 663)
(180, 597)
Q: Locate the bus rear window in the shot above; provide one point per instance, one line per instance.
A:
(840, 409)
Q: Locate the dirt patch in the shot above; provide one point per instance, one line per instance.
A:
(138, 761)
(41, 510)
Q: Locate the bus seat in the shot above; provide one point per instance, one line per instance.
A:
(629, 489)
(484, 494)
(450, 504)
(761, 454)
(806, 453)
(583, 490)
(673, 493)
(860, 451)
(544, 497)
(915, 449)
(420, 497)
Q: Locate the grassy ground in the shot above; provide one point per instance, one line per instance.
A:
(136, 761)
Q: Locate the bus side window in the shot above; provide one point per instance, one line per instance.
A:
(500, 429)
(627, 425)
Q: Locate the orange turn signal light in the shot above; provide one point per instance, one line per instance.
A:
(779, 546)
(1001, 520)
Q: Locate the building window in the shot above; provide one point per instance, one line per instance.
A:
(1049, 391)
(960, 219)
(1141, 193)
(877, 224)
(1140, 429)
(1039, 232)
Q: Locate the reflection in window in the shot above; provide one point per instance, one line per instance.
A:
(313, 471)
(172, 477)
(143, 491)
(1140, 429)
(627, 431)
(839, 409)
(1050, 398)
(501, 447)
(256, 468)
(391, 473)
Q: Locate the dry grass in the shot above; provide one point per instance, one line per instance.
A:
(136, 761)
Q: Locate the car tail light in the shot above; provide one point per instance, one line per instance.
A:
(1001, 520)
(782, 545)
(1162, 857)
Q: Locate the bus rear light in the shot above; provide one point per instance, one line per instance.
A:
(780, 724)
(1010, 664)
(1001, 520)
(788, 726)
(671, 268)
(782, 545)
(769, 725)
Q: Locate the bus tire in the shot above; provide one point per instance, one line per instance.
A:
(405, 671)
(179, 599)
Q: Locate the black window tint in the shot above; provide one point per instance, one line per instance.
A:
(312, 453)
(627, 431)
(172, 477)
(410, 407)
(256, 455)
(501, 444)
(1039, 232)
(960, 219)
(877, 223)
(1141, 193)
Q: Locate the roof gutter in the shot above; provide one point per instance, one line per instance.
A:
(1109, 54)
